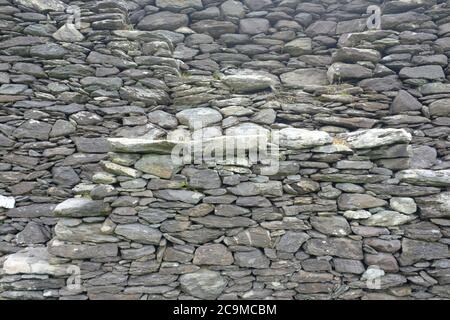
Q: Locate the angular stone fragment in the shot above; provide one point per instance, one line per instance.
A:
(120, 170)
(198, 118)
(33, 261)
(414, 251)
(81, 207)
(248, 81)
(348, 266)
(439, 108)
(298, 47)
(202, 179)
(405, 102)
(85, 232)
(403, 205)
(423, 177)
(435, 206)
(132, 145)
(301, 138)
(374, 138)
(82, 251)
(163, 20)
(43, 5)
(139, 233)
(291, 241)
(352, 55)
(34, 233)
(203, 284)
(304, 77)
(339, 247)
(178, 5)
(335, 225)
(355, 201)
(150, 97)
(180, 195)
(342, 71)
(253, 237)
(213, 254)
(158, 165)
(251, 259)
(428, 72)
(32, 211)
(388, 218)
(224, 222)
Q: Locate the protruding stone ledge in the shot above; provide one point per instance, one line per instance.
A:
(289, 138)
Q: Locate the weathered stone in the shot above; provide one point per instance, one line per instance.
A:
(32, 261)
(299, 47)
(213, 254)
(251, 259)
(355, 201)
(81, 251)
(304, 77)
(342, 71)
(301, 138)
(163, 20)
(203, 284)
(403, 205)
(335, 226)
(81, 207)
(139, 233)
(405, 102)
(157, 165)
(435, 206)
(43, 5)
(291, 241)
(374, 138)
(180, 195)
(199, 117)
(422, 177)
(348, 266)
(387, 218)
(34, 233)
(339, 247)
(247, 81)
(414, 251)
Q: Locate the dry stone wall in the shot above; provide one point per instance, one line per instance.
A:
(95, 97)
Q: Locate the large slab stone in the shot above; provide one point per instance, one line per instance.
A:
(158, 165)
(415, 250)
(81, 207)
(33, 261)
(423, 177)
(435, 206)
(300, 138)
(139, 233)
(43, 5)
(203, 284)
(374, 138)
(304, 77)
(135, 145)
(82, 251)
(339, 247)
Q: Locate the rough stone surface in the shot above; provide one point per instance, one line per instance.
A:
(103, 166)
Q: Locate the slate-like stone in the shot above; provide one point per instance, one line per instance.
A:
(203, 284)
(355, 201)
(158, 165)
(81, 207)
(339, 247)
(251, 259)
(139, 233)
(213, 254)
(334, 226)
(414, 251)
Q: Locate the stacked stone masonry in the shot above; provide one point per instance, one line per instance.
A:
(93, 103)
